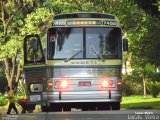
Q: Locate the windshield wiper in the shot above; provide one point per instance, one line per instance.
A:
(73, 55)
(107, 53)
(97, 54)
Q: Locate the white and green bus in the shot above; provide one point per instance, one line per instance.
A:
(80, 65)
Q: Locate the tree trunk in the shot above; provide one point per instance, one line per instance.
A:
(7, 72)
(125, 66)
(144, 87)
(10, 72)
(19, 71)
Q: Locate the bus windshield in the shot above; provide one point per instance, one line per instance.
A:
(80, 43)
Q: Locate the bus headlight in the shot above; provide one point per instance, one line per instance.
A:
(61, 84)
(106, 83)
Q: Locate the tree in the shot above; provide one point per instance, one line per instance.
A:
(144, 49)
(9, 44)
(18, 19)
(2, 79)
(12, 14)
(150, 6)
(151, 51)
(37, 22)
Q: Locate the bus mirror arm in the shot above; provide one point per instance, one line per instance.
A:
(35, 45)
(125, 44)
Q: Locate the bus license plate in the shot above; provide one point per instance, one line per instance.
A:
(85, 83)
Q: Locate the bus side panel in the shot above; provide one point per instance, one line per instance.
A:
(35, 79)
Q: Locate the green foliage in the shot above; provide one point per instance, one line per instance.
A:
(2, 79)
(66, 6)
(9, 49)
(3, 100)
(3, 83)
(21, 89)
(36, 22)
(159, 5)
(150, 6)
(131, 85)
(154, 88)
(151, 51)
(155, 76)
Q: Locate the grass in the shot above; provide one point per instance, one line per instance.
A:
(140, 102)
(134, 102)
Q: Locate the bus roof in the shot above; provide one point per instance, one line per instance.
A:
(84, 19)
(84, 15)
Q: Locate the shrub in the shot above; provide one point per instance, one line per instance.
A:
(132, 85)
(3, 100)
(21, 89)
(154, 88)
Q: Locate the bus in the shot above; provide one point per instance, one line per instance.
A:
(79, 66)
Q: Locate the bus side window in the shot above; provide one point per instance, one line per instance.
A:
(112, 41)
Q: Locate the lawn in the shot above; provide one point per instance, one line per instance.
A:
(140, 102)
(131, 102)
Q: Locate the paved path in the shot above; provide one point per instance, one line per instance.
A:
(88, 115)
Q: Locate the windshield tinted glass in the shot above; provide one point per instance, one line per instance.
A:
(64, 43)
(105, 42)
(72, 43)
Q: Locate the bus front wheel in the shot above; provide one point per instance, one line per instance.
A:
(44, 108)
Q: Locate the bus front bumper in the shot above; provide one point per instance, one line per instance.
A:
(82, 96)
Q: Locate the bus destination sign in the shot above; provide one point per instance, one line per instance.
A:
(110, 23)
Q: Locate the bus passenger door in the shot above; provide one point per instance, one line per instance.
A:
(34, 68)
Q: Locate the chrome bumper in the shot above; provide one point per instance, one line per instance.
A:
(82, 96)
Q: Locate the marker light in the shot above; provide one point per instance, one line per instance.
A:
(50, 84)
(61, 84)
(119, 85)
(84, 22)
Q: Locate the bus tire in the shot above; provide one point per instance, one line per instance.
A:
(66, 109)
(103, 107)
(116, 106)
(44, 108)
(30, 111)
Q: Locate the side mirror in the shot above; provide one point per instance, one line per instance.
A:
(125, 44)
(33, 52)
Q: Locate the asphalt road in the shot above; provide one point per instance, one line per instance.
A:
(88, 115)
